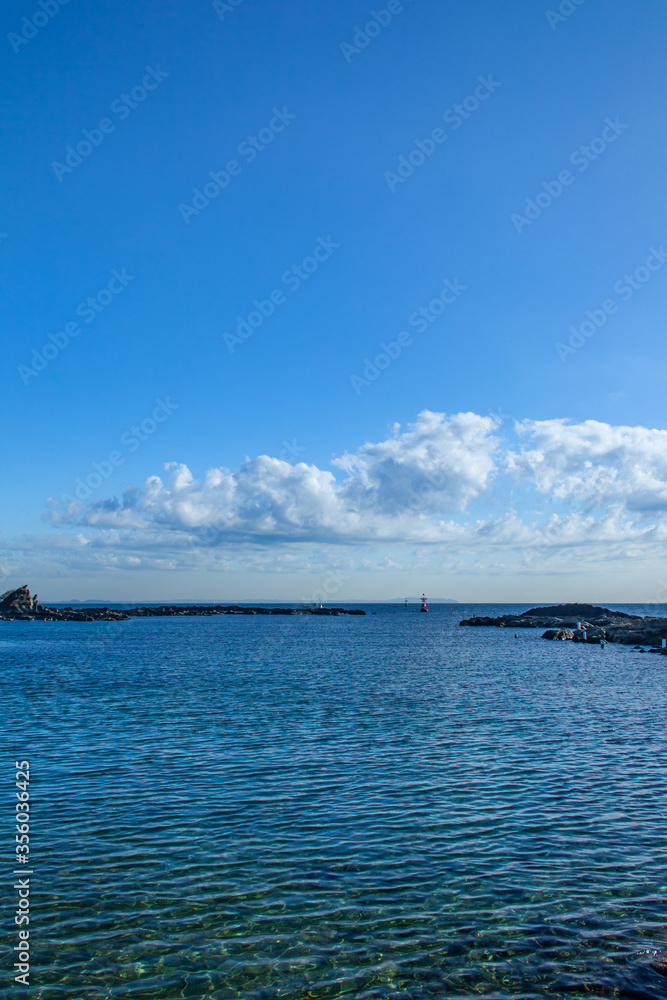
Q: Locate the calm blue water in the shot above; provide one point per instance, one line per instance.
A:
(379, 806)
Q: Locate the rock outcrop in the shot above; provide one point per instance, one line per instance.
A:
(578, 612)
(585, 623)
(18, 598)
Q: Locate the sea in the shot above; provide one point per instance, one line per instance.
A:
(378, 806)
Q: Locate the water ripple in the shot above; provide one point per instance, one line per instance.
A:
(379, 807)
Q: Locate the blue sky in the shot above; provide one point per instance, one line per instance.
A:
(577, 90)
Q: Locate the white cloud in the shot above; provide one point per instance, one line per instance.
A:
(434, 468)
(413, 497)
(594, 463)
(446, 462)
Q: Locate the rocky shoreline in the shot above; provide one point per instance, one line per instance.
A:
(586, 623)
(19, 605)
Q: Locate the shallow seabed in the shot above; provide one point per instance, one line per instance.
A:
(387, 806)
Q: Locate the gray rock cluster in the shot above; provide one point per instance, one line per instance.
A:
(558, 633)
(586, 623)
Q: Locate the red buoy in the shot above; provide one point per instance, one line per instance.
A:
(423, 607)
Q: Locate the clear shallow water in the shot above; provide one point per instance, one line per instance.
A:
(386, 806)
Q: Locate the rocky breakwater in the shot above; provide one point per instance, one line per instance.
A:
(232, 609)
(20, 605)
(586, 623)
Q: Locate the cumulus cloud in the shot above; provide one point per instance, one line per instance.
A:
(445, 461)
(601, 493)
(390, 489)
(594, 463)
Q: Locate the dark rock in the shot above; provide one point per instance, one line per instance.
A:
(591, 624)
(575, 611)
(16, 598)
(558, 633)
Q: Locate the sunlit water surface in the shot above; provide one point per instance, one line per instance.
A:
(386, 806)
